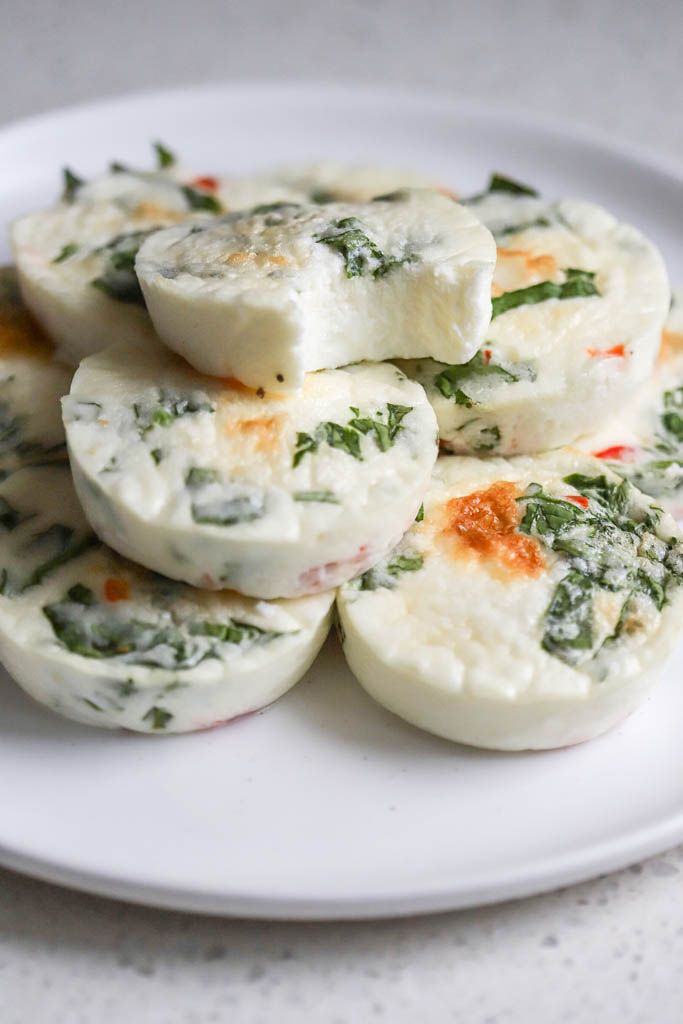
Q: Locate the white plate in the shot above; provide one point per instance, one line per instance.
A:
(325, 805)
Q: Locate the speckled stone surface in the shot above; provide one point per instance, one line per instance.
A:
(609, 950)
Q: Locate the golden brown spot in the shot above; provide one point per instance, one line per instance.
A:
(20, 335)
(233, 384)
(672, 344)
(259, 259)
(155, 212)
(262, 431)
(543, 263)
(484, 525)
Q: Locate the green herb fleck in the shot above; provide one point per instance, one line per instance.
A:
(327, 497)
(91, 704)
(501, 183)
(167, 406)
(305, 444)
(385, 574)
(165, 158)
(118, 279)
(577, 284)
(198, 200)
(384, 427)
(322, 196)
(361, 256)
(517, 229)
(420, 514)
(216, 503)
(72, 183)
(457, 382)
(159, 717)
(65, 252)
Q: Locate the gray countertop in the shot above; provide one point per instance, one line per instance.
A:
(608, 950)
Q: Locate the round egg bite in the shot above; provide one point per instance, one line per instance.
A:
(209, 482)
(578, 306)
(269, 294)
(102, 641)
(531, 606)
(76, 260)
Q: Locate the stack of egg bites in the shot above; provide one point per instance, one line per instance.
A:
(461, 420)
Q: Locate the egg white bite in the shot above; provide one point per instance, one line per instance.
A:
(270, 294)
(328, 181)
(644, 440)
(531, 606)
(32, 381)
(76, 261)
(579, 300)
(102, 641)
(271, 495)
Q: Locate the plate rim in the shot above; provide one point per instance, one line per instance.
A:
(535, 876)
(533, 879)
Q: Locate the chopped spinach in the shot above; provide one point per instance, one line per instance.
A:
(327, 497)
(672, 416)
(233, 631)
(69, 544)
(65, 252)
(159, 717)
(658, 477)
(196, 199)
(569, 617)
(322, 196)
(72, 183)
(384, 432)
(165, 157)
(611, 545)
(167, 406)
(305, 444)
(384, 427)
(15, 450)
(346, 439)
(385, 574)
(487, 439)
(41, 553)
(501, 183)
(282, 206)
(93, 629)
(479, 436)
(198, 476)
(516, 229)
(118, 279)
(577, 284)
(456, 382)
(361, 256)
(220, 503)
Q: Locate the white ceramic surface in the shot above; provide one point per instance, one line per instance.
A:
(325, 805)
